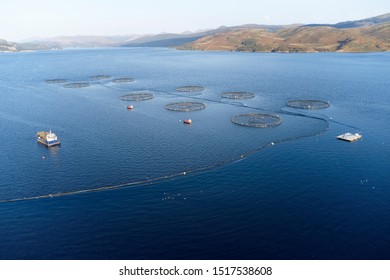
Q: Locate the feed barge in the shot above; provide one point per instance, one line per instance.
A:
(48, 139)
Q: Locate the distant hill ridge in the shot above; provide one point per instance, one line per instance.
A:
(7, 47)
(358, 23)
(84, 41)
(173, 40)
(365, 35)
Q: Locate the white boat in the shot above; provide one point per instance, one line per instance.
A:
(350, 137)
(48, 138)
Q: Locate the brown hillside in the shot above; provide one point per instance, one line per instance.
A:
(299, 39)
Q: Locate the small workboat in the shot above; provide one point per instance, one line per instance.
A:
(350, 137)
(130, 107)
(189, 121)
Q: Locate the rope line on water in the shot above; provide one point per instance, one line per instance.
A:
(161, 178)
(322, 118)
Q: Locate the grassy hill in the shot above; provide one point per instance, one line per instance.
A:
(365, 35)
(359, 23)
(373, 38)
(173, 39)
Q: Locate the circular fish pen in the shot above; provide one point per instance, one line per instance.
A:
(190, 89)
(257, 120)
(137, 96)
(100, 77)
(185, 106)
(308, 104)
(123, 80)
(56, 81)
(77, 85)
(238, 95)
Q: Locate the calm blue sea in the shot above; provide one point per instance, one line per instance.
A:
(140, 184)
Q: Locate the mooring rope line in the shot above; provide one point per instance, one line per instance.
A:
(182, 173)
(110, 87)
(162, 178)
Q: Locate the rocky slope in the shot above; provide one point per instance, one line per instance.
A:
(8, 47)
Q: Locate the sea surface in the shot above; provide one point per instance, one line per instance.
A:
(140, 184)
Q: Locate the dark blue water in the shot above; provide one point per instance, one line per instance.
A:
(211, 190)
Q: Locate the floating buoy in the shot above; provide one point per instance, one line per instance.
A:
(130, 107)
(189, 121)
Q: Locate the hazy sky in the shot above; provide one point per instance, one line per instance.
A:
(20, 19)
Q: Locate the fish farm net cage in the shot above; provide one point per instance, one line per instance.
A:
(237, 95)
(56, 81)
(138, 96)
(100, 77)
(123, 80)
(190, 89)
(77, 85)
(308, 104)
(257, 120)
(185, 106)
